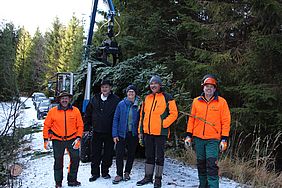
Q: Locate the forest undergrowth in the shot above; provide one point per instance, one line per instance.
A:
(249, 159)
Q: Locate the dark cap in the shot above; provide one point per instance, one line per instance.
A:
(64, 94)
(131, 87)
(106, 82)
(156, 79)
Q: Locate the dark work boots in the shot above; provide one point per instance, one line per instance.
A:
(58, 185)
(158, 176)
(149, 170)
(74, 183)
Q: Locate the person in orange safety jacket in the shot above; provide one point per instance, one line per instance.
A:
(209, 125)
(157, 113)
(64, 127)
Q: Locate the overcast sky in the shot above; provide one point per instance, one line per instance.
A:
(41, 13)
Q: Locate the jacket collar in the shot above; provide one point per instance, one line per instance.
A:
(160, 92)
(98, 95)
(202, 97)
(135, 103)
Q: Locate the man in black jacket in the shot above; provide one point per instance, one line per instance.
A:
(99, 118)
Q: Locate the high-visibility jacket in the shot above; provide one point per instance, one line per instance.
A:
(63, 124)
(157, 113)
(209, 120)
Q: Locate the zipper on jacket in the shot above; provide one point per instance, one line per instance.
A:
(205, 118)
(65, 123)
(126, 120)
(155, 105)
(150, 114)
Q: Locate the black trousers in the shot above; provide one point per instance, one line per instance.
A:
(102, 151)
(59, 150)
(130, 142)
(154, 149)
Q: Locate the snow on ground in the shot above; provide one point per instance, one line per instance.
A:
(38, 171)
(6, 114)
(27, 113)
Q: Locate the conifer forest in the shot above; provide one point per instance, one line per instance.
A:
(239, 41)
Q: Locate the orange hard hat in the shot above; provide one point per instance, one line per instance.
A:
(210, 80)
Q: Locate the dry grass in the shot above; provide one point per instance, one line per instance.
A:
(245, 172)
(253, 166)
(186, 156)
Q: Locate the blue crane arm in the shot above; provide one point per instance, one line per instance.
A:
(111, 15)
(86, 56)
(111, 6)
(91, 27)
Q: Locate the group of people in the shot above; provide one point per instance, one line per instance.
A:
(121, 124)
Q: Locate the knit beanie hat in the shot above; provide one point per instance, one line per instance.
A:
(131, 87)
(156, 79)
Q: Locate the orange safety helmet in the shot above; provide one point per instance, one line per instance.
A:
(209, 79)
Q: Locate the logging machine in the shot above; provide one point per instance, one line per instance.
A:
(109, 46)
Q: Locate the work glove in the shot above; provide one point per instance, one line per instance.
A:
(141, 140)
(223, 145)
(76, 143)
(187, 142)
(47, 145)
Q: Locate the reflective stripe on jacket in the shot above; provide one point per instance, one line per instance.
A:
(157, 114)
(63, 124)
(209, 120)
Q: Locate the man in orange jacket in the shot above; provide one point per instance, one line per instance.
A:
(209, 124)
(158, 112)
(64, 126)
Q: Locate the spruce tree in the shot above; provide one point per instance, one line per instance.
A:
(39, 66)
(8, 41)
(72, 47)
(23, 64)
(53, 47)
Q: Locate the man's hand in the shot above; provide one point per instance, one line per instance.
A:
(187, 142)
(115, 139)
(223, 145)
(76, 143)
(141, 140)
(46, 145)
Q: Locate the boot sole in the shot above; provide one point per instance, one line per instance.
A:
(141, 184)
(116, 182)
